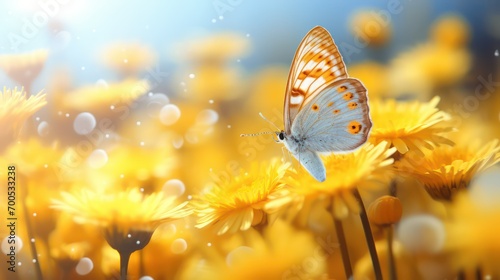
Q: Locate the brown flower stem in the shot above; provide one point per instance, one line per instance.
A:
(124, 258)
(479, 273)
(369, 237)
(390, 252)
(141, 263)
(343, 247)
(461, 275)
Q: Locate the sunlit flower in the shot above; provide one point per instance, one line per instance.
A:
(239, 202)
(440, 31)
(365, 169)
(421, 70)
(370, 29)
(472, 230)
(124, 211)
(409, 126)
(15, 109)
(128, 59)
(449, 169)
(24, 67)
(102, 97)
(269, 256)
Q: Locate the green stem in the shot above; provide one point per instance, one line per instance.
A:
(369, 237)
(124, 258)
(343, 247)
(390, 253)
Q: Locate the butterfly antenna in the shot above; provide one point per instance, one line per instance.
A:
(256, 134)
(273, 124)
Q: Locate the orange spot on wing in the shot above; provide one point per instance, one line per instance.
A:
(336, 111)
(352, 105)
(315, 107)
(354, 127)
(348, 96)
(330, 104)
(341, 88)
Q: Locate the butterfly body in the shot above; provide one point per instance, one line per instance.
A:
(325, 110)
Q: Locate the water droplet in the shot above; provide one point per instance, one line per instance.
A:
(19, 263)
(34, 214)
(43, 128)
(177, 141)
(238, 60)
(496, 53)
(129, 235)
(112, 107)
(46, 166)
(83, 68)
(67, 115)
(209, 244)
(155, 104)
(32, 240)
(174, 187)
(214, 20)
(138, 123)
(37, 119)
(211, 101)
(228, 126)
(248, 35)
(122, 176)
(169, 114)
(6, 246)
(146, 278)
(178, 246)
(125, 60)
(97, 159)
(141, 143)
(237, 255)
(84, 123)
(84, 266)
(138, 242)
(189, 197)
(141, 189)
(106, 135)
(221, 17)
(191, 76)
(207, 117)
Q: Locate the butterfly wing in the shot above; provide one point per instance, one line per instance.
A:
(336, 119)
(316, 64)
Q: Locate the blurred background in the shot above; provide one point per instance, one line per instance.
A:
(159, 90)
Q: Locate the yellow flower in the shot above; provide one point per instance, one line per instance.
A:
(364, 169)
(25, 67)
(281, 252)
(15, 109)
(240, 202)
(440, 31)
(102, 97)
(124, 211)
(128, 58)
(370, 28)
(472, 230)
(374, 76)
(409, 125)
(449, 169)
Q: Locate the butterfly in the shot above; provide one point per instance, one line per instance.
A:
(325, 110)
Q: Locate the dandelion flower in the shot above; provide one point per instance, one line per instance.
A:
(367, 26)
(409, 125)
(128, 218)
(15, 109)
(25, 67)
(90, 98)
(472, 230)
(269, 256)
(365, 169)
(449, 169)
(440, 31)
(239, 202)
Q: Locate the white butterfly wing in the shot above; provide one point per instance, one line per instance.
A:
(316, 64)
(313, 164)
(337, 119)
